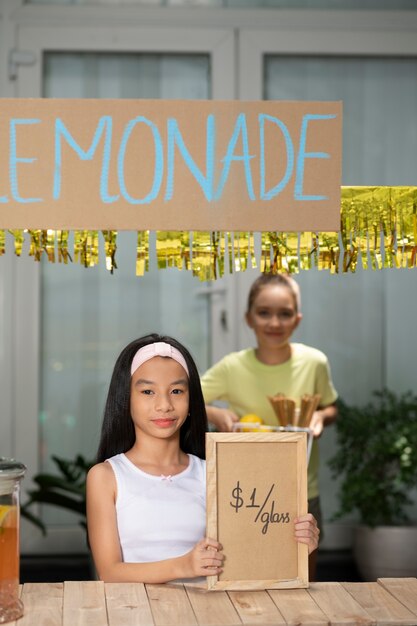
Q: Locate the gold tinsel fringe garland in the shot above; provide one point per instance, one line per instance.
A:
(378, 229)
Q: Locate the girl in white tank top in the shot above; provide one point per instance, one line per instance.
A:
(146, 504)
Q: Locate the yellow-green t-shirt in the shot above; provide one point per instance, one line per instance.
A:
(245, 384)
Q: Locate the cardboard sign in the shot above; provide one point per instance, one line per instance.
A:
(256, 487)
(170, 165)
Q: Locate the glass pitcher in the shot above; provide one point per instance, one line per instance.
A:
(11, 473)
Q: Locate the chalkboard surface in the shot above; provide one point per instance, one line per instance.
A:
(256, 487)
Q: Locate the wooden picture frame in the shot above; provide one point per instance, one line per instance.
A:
(256, 486)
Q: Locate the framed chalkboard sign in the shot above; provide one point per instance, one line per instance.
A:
(256, 487)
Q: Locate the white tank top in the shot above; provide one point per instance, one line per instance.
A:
(159, 517)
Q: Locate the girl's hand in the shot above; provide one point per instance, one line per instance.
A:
(222, 419)
(226, 421)
(317, 424)
(306, 531)
(321, 418)
(205, 559)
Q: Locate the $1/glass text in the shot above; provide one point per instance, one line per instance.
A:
(266, 517)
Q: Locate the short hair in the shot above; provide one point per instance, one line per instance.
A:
(274, 279)
(118, 432)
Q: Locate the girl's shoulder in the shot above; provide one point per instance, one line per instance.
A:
(100, 474)
(307, 353)
(238, 358)
(101, 486)
(227, 365)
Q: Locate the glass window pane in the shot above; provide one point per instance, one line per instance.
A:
(120, 75)
(89, 315)
(378, 94)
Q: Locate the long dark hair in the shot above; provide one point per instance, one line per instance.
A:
(118, 432)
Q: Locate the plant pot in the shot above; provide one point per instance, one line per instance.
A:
(386, 551)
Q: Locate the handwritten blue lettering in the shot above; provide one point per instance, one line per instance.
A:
(14, 160)
(302, 155)
(104, 125)
(240, 128)
(159, 161)
(144, 159)
(268, 195)
(175, 139)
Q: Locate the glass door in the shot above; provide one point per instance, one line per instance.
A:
(80, 319)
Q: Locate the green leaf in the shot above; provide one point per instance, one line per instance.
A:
(65, 490)
(58, 499)
(46, 481)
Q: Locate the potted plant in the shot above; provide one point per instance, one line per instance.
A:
(377, 460)
(66, 489)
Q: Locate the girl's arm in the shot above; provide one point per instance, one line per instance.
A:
(203, 560)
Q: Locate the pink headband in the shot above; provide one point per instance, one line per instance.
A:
(159, 348)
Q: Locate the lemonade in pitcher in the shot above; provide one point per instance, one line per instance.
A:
(11, 472)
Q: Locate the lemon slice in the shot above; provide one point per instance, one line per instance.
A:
(7, 515)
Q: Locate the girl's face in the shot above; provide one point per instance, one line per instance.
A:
(159, 397)
(273, 316)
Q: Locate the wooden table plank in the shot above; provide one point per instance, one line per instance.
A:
(298, 607)
(338, 605)
(170, 605)
(212, 607)
(388, 602)
(128, 604)
(379, 603)
(84, 603)
(404, 589)
(256, 607)
(42, 604)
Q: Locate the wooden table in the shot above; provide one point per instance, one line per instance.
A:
(389, 601)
